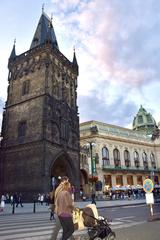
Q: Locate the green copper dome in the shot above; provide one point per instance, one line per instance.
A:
(143, 121)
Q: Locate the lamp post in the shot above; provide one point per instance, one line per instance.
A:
(90, 146)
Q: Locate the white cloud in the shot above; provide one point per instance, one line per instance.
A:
(118, 51)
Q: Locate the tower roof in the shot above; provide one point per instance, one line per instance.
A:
(74, 62)
(44, 32)
(143, 121)
(13, 52)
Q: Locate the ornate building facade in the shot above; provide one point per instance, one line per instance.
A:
(120, 156)
(40, 128)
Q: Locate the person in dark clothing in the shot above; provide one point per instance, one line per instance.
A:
(19, 200)
(15, 198)
(52, 205)
(93, 198)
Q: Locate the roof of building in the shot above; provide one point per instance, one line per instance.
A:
(13, 52)
(100, 128)
(74, 62)
(44, 32)
(144, 121)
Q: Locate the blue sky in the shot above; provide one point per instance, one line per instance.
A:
(117, 45)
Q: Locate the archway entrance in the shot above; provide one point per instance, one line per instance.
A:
(62, 166)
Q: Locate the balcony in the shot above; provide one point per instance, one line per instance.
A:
(129, 169)
(117, 163)
(137, 163)
(127, 163)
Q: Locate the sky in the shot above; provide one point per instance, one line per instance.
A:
(117, 46)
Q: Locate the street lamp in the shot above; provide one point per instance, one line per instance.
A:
(90, 145)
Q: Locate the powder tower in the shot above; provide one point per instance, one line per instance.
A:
(40, 127)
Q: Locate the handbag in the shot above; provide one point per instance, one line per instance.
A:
(78, 219)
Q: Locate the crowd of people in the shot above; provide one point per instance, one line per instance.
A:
(15, 198)
(131, 193)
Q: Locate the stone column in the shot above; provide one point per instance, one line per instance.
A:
(134, 180)
(113, 180)
(125, 180)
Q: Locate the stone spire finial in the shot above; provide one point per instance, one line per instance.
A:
(74, 62)
(51, 17)
(43, 8)
(13, 52)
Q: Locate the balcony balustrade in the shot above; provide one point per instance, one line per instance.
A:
(131, 168)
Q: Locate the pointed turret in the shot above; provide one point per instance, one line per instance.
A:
(44, 32)
(74, 62)
(13, 53)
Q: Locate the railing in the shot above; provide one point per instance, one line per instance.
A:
(131, 168)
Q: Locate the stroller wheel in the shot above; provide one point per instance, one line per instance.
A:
(111, 236)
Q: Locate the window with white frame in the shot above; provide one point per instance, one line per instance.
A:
(145, 160)
(136, 159)
(127, 158)
(116, 156)
(105, 156)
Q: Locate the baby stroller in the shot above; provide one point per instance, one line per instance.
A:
(98, 227)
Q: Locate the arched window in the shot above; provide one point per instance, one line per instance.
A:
(153, 163)
(136, 159)
(105, 156)
(145, 160)
(116, 155)
(22, 129)
(127, 158)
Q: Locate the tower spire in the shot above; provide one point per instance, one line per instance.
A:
(43, 8)
(13, 52)
(74, 62)
(51, 17)
(44, 32)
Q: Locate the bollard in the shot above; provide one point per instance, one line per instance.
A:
(13, 208)
(34, 206)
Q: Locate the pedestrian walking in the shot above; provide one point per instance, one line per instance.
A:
(19, 200)
(41, 199)
(15, 198)
(64, 209)
(11, 200)
(51, 205)
(58, 189)
(72, 191)
(3, 198)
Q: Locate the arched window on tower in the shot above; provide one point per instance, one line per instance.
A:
(145, 160)
(116, 156)
(136, 159)
(105, 156)
(127, 158)
(25, 87)
(153, 162)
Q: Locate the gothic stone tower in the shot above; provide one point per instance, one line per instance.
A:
(40, 127)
